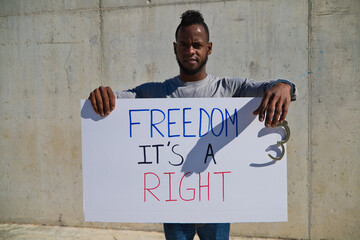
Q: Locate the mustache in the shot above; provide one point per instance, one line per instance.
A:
(192, 71)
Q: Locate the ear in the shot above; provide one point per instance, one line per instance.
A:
(209, 48)
(175, 45)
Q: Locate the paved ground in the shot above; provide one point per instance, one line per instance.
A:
(38, 232)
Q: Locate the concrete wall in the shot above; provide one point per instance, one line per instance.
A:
(53, 53)
(334, 120)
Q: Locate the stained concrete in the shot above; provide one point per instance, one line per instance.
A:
(53, 53)
(335, 120)
(48, 60)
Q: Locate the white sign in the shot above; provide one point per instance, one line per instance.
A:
(183, 161)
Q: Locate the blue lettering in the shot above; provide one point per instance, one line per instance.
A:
(233, 121)
(222, 122)
(186, 122)
(170, 122)
(130, 118)
(158, 116)
(200, 122)
(152, 124)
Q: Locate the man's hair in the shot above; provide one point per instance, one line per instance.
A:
(191, 17)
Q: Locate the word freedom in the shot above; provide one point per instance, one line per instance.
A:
(161, 123)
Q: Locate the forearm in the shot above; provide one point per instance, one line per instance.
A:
(258, 89)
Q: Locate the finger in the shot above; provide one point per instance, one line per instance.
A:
(284, 111)
(93, 102)
(105, 100)
(261, 109)
(278, 110)
(257, 111)
(99, 101)
(269, 115)
(111, 98)
(270, 111)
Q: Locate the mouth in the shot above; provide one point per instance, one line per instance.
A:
(191, 60)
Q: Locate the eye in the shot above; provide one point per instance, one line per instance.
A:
(197, 45)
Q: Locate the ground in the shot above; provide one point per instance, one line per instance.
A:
(39, 232)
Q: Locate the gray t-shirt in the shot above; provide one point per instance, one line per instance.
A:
(211, 86)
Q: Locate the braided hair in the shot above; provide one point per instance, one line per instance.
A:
(191, 17)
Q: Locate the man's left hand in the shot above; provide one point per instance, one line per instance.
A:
(275, 103)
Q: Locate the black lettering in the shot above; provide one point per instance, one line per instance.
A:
(157, 151)
(182, 159)
(144, 151)
(210, 153)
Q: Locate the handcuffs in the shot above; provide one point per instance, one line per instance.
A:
(285, 125)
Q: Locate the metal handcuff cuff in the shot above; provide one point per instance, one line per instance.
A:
(282, 142)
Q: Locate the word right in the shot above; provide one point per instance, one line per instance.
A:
(152, 184)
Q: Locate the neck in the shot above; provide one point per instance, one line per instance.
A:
(193, 77)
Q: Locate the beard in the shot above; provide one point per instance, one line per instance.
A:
(192, 71)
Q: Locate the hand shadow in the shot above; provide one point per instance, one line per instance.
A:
(197, 160)
(88, 112)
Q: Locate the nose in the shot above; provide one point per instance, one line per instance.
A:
(191, 50)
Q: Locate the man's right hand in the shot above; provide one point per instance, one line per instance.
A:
(102, 100)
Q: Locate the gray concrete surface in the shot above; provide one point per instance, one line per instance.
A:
(38, 232)
(53, 53)
(335, 120)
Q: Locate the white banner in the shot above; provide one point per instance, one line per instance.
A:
(182, 160)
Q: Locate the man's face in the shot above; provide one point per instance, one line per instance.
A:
(192, 49)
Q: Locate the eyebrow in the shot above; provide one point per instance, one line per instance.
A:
(196, 41)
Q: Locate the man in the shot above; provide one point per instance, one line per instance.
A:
(191, 49)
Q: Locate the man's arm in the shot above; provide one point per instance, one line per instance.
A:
(102, 100)
(275, 104)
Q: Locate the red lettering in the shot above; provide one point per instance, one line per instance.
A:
(204, 186)
(223, 182)
(190, 193)
(193, 189)
(170, 200)
(150, 189)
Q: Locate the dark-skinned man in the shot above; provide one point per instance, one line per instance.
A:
(191, 49)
